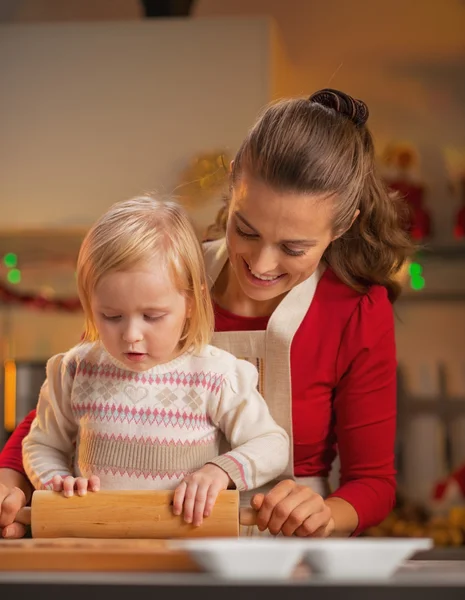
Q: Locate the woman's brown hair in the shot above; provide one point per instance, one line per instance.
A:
(321, 145)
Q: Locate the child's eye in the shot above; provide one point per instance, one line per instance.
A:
(152, 318)
(111, 318)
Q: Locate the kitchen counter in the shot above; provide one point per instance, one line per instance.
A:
(437, 574)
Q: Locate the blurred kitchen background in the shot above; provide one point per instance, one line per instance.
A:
(105, 99)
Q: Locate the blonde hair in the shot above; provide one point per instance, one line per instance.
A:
(135, 231)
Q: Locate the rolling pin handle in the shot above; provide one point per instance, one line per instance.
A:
(247, 517)
(23, 516)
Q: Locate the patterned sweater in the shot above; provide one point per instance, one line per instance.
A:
(147, 430)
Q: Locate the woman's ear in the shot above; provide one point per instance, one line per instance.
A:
(341, 233)
(231, 164)
(356, 214)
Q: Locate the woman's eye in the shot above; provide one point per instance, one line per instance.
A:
(244, 234)
(254, 236)
(291, 252)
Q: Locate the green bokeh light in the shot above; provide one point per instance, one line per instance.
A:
(415, 269)
(14, 276)
(417, 282)
(10, 260)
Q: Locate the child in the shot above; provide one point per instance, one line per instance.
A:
(142, 401)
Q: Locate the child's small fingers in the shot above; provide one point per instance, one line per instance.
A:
(80, 485)
(199, 506)
(210, 501)
(189, 501)
(68, 486)
(94, 483)
(57, 483)
(178, 498)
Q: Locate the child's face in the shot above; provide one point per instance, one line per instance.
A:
(140, 315)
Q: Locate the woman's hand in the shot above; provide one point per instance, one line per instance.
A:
(293, 509)
(69, 484)
(197, 493)
(12, 499)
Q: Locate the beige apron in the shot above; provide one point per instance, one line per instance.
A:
(270, 352)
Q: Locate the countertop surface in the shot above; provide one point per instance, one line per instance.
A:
(433, 568)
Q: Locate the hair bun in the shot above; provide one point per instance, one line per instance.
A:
(353, 109)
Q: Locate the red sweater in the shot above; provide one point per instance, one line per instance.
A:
(343, 368)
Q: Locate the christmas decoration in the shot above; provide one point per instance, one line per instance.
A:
(217, 230)
(400, 162)
(409, 519)
(37, 301)
(459, 227)
(205, 175)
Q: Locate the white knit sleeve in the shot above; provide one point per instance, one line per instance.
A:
(48, 448)
(259, 446)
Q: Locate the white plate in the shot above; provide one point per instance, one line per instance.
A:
(246, 558)
(361, 558)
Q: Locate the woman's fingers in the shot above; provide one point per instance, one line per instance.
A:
(316, 525)
(292, 509)
(278, 504)
(11, 501)
(13, 531)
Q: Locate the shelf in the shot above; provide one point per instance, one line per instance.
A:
(442, 252)
(410, 298)
(36, 246)
(447, 409)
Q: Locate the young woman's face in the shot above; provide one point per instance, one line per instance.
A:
(275, 240)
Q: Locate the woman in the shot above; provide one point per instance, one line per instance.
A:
(303, 286)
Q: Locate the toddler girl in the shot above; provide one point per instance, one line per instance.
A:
(143, 401)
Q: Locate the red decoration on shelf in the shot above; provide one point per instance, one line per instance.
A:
(400, 161)
(421, 224)
(459, 228)
(9, 296)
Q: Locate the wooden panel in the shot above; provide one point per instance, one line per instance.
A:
(72, 554)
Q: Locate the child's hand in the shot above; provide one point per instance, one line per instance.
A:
(198, 492)
(67, 485)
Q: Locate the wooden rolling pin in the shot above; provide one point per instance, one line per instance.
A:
(128, 514)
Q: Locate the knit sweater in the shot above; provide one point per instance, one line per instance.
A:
(147, 430)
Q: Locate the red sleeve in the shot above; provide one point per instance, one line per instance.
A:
(11, 457)
(365, 410)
